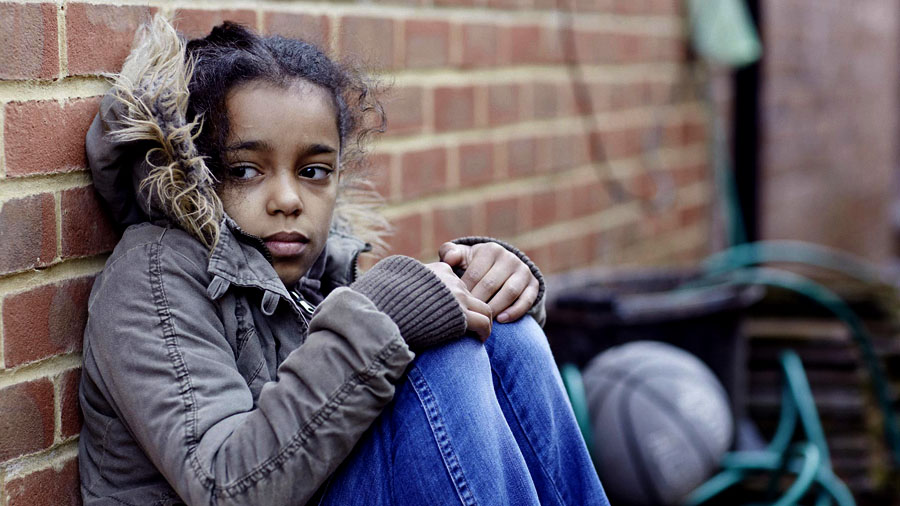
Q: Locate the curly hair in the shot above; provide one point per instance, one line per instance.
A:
(232, 55)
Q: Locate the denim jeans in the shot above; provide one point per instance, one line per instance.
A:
(473, 424)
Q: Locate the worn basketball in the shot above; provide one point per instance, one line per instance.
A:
(661, 422)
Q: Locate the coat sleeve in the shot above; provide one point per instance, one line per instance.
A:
(170, 375)
(538, 310)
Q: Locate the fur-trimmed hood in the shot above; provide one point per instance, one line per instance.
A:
(146, 167)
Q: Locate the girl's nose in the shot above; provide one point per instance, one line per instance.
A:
(284, 197)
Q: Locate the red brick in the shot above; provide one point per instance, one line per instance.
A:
(404, 109)
(86, 228)
(479, 45)
(47, 136)
(612, 144)
(378, 171)
(554, 45)
(311, 28)
(100, 36)
(509, 4)
(503, 104)
(28, 229)
(544, 208)
(454, 108)
(47, 486)
(407, 238)
(594, 47)
(369, 39)
(694, 132)
(547, 102)
(524, 44)
(27, 423)
(452, 222)
(521, 157)
(29, 39)
(630, 7)
(588, 199)
(45, 321)
(427, 43)
(198, 23)
(423, 172)
(70, 410)
(565, 152)
(476, 164)
(503, 217)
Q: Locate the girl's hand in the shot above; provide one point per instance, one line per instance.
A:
(478, 313)
(494, 275)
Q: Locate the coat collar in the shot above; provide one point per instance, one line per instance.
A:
(241, 259)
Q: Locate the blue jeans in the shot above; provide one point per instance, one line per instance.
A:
(474, 424)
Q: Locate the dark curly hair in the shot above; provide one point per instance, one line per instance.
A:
(232, 55)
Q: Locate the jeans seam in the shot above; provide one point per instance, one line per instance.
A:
(534, 448)
(442, 439)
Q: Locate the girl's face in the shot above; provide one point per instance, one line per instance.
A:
(282, 177)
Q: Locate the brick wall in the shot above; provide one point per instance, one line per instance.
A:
(829, 122)
(559, 132)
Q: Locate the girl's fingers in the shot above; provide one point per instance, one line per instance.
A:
(513, 284)
(522, 305)
(478, 318)
(453, 255)
(480, 263)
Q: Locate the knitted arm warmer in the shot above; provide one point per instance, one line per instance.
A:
(415, 299)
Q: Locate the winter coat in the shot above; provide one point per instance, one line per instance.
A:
(205, 379)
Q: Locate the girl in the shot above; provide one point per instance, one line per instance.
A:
(234, 355)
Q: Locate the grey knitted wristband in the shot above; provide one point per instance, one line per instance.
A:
(415, 299)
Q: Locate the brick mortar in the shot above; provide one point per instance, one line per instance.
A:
(666, 72)
(57, 203)
(518, 187)
(60, 90)
(628, 118)
(57, 409)
(606, 219)
(54, 457)
(2, 342)
(18, 187)
(46, 368)
(62, 271)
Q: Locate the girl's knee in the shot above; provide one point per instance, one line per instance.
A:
(522, 339)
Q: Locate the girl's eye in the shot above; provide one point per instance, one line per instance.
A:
(242, 172)
(315, 172)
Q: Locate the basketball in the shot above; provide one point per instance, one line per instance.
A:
(661, 422)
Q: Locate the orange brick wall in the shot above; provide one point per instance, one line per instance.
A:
(514, 118)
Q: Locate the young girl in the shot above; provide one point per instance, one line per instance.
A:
(234, 355)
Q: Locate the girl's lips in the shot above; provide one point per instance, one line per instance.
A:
(286, 244)
(285, 248)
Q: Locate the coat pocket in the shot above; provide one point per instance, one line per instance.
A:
(251, 362)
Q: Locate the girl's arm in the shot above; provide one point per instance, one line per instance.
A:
(156, 349)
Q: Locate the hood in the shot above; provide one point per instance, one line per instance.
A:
(146, 167)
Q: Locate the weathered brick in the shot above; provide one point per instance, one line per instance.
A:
(29, 39)
(524, 44)
(27, 423)
(28, 229)
(476, 164)
(47, 136)
(404, 109)
(503, 217)
(86, 228)
(479, 45)
(369, 39)
(70, 410)
(454, 108)
(45, 321)
(588, 199)
(423, 172)
(452, 222)
(521, 157)
(544, 208)
(198, 23)
(47, 486)
(427, 43)
(309, 27)
(378, 170)
(100, 36)
(407, 238)
(503, 104)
